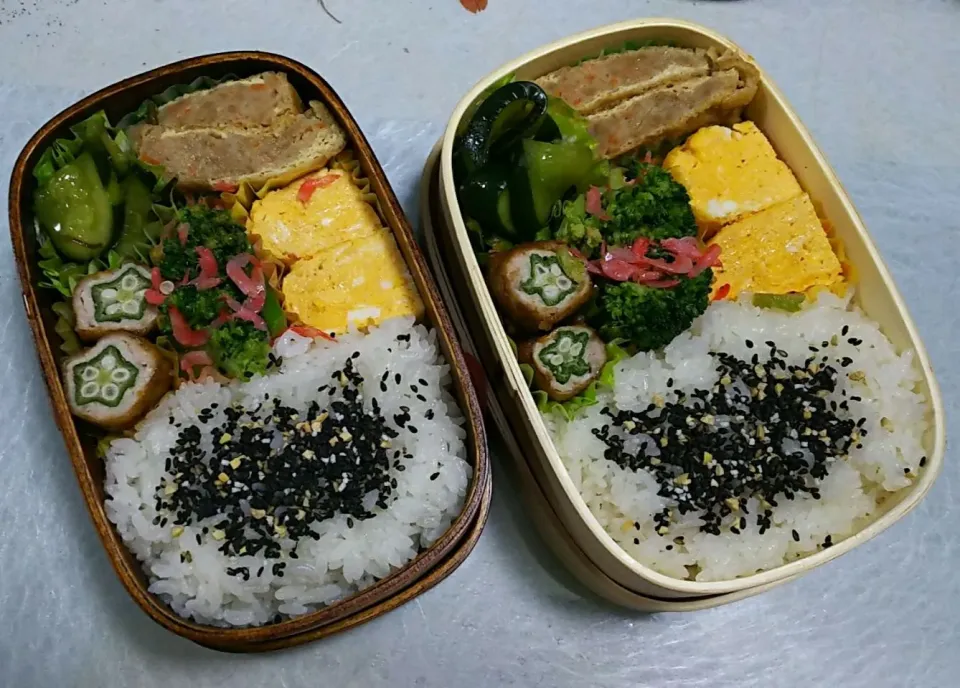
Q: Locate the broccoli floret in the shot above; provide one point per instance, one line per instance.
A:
(650, 317)
(239, 349)
(199, 308)
(656, 207)
(209, 227)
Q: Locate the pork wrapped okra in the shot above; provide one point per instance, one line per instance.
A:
(564, 361)
(116, 381)
(114, 300)
(539, 284)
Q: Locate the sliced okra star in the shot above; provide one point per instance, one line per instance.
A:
(114, 300)
(566, 356)
(122, 298)
(548, 280)
(104, 379)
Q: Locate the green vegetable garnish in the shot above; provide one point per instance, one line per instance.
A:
(140, 231)
(568, 409)
(239, 349)
(528, 372)
(75, 211)
(651, 317)
(472, 109)
(571, 265)
(273, 314)
(510, 113)
(199, 308)
(208, 227)
(565, 124)
(615, 354)
(544, 174)
(64, 327)
(656, 207)
(578, 228)
(782, 302)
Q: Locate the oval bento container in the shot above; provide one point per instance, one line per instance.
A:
(876, 294)
(537, 507)
(431, 565)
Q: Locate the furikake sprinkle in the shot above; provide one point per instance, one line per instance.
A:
(273, 470)
(765, 430)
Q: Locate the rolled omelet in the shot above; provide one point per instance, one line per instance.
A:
(346, 269)
(352, 285)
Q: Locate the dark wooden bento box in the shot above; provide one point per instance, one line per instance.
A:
(432, 565)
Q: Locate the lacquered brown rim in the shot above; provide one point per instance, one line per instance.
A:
(373, 600)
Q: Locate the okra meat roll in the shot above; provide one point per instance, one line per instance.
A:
(564, 361)
(114, 383)
(114, 300)
(539, 284)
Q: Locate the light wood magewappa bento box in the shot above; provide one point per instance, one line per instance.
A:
(430, 566)
(519, 418)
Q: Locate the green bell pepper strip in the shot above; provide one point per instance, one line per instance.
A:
(273, 315)
(546, 171)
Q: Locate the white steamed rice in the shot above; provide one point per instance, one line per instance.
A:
(851, 491)
(344, 560)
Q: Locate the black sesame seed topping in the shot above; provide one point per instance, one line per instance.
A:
(796, 535)
(764, 432)
(262, 494)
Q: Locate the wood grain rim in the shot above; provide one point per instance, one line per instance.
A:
(370, 602)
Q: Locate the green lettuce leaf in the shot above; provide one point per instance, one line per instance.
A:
(64, 327)
(615, 354)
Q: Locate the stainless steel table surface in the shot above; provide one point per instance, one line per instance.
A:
(877, 83)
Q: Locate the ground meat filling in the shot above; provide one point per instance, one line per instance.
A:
(766, 430)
